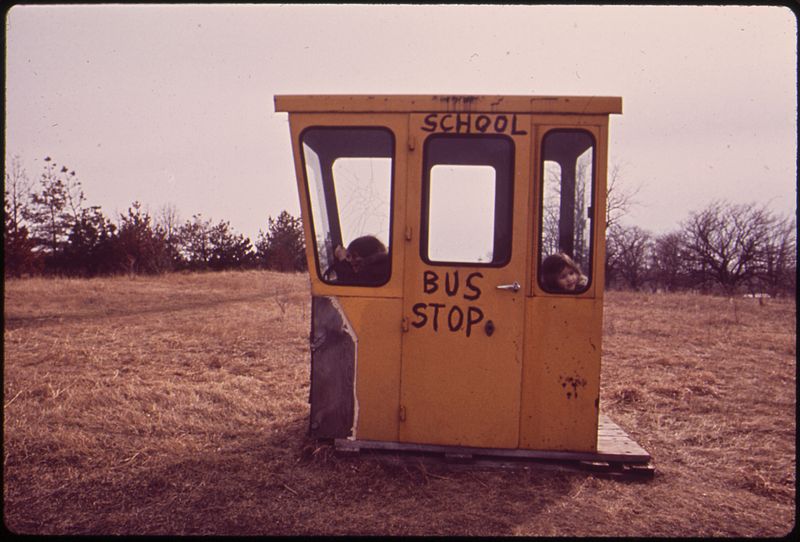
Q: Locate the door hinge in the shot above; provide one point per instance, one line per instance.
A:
(402, 413)
(404, 324)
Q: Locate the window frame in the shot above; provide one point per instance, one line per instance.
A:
(506, 220)
(591, 211)
(313, 220)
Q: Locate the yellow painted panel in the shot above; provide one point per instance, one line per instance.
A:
(561, 374)
(458, 389)
(376, 322)
(460, 385)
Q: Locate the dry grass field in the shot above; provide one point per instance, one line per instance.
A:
(178, 405)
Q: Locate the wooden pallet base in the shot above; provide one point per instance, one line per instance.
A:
(617, 454)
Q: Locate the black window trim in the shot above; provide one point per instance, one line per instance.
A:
(424, 203)
(591, 214)
(393, 157)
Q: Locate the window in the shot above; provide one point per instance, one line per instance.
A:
(464, 228)
(566, 217)
(349, 180)
(467, 196)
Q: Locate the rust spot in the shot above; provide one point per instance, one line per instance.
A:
(573, 382)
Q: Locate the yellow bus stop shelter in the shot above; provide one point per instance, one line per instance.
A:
(432, 227)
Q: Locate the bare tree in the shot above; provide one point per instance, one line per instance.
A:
(75, 197)
(619, 199)
(550, 208)
(551, 212)
(167, 220)
(17, 192)
(668, 265)
(18, 247)
(725, 243)
(630, 249)
(583, 178)
(779, 257)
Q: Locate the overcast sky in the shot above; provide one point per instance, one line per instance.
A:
(174, 104)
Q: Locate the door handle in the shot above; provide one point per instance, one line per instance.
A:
(514, 287)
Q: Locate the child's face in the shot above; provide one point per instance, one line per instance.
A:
(568, 279)
(355, 260)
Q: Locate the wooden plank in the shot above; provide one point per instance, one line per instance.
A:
(614, 446)
(612, 440)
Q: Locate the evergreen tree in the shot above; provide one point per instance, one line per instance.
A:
(283, 246)
(142, 246)
(92, 245)
(228, 250)
(47, 214)
(194, 242)
(18, 255)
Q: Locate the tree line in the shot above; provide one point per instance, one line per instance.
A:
(50, 229)
(724, 248)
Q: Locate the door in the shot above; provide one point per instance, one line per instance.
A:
(465, 280)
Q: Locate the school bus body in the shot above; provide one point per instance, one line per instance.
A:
(457, 350)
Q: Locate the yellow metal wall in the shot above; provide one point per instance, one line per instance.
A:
(377, 325)
(561, 374)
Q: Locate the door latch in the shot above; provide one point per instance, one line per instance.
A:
(514, 286)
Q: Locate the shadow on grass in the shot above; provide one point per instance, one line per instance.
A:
(282, 482)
